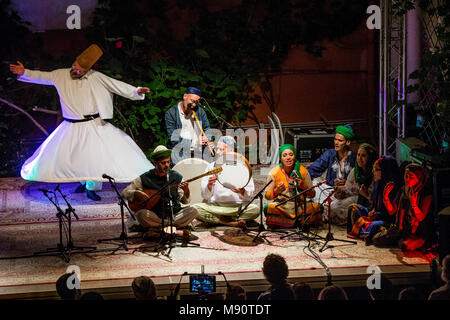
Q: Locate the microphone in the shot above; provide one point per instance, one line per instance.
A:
(192, 107)
(45, 191)
(105, 176)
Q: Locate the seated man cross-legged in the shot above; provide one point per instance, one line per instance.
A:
(222, 204)
(151, 220)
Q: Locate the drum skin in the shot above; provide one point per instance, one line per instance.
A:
(190, 168)
(236, 171)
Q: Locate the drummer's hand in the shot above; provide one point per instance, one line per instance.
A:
(279, 189)
(241, 191)
(185, 187)
(211, 182)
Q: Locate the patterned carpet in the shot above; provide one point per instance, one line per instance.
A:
(28, 224)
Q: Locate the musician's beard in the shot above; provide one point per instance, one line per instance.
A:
(162, 171)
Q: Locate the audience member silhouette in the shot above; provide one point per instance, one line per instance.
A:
(410, 293)
(332, 292)
(94, 296)
(443, 293)
(66, 287)
(144, 288)
(236, 292)
(303, 291)
(276, 271)
(385, 292)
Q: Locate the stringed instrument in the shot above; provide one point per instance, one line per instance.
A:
(147, 199)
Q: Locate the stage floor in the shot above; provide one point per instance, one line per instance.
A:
(28, 224)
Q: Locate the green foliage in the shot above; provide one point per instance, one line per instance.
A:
(225, 53)
(14, 32)
(433, 76)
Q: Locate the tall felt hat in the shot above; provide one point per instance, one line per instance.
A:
(89, 56)
(160, 152)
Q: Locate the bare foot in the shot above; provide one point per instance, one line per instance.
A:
(238, 224)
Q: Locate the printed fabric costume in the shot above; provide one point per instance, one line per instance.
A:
(350, 194)
(182, 129)
(359, 224)
(410, 231)
(329, 161)
(84, 147)
(152, 219)
(222, 201)
(284, 215)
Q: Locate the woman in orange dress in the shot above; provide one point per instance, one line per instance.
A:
(287, 179)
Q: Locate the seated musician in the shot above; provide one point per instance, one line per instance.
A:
(155, 179)
(222, 204)
(337, 162)
(289, 178)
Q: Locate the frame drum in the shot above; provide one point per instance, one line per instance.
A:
(236, 170)
(191, 168)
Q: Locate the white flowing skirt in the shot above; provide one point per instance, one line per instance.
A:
(85, 151)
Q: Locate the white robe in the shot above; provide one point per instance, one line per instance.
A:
(85, 151)
(220, 194)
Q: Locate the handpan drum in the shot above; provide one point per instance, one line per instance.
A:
(190, 168)
(236, 170)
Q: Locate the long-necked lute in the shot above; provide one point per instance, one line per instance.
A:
(147, 199)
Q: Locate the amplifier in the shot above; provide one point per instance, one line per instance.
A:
(309, 145)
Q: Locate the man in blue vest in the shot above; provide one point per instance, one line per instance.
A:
(183, 131)
(338, 162)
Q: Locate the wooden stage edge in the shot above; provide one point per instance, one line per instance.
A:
(251, 281)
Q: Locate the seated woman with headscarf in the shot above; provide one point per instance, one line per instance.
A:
(413, 227)
(287, 179)
(365, 222)
(358, 186)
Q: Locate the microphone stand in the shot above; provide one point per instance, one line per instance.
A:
(68, 216)
(261, 227)
(169, 241)
(300, 227)
(123, 235)
(60, 248)
(329, 237)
